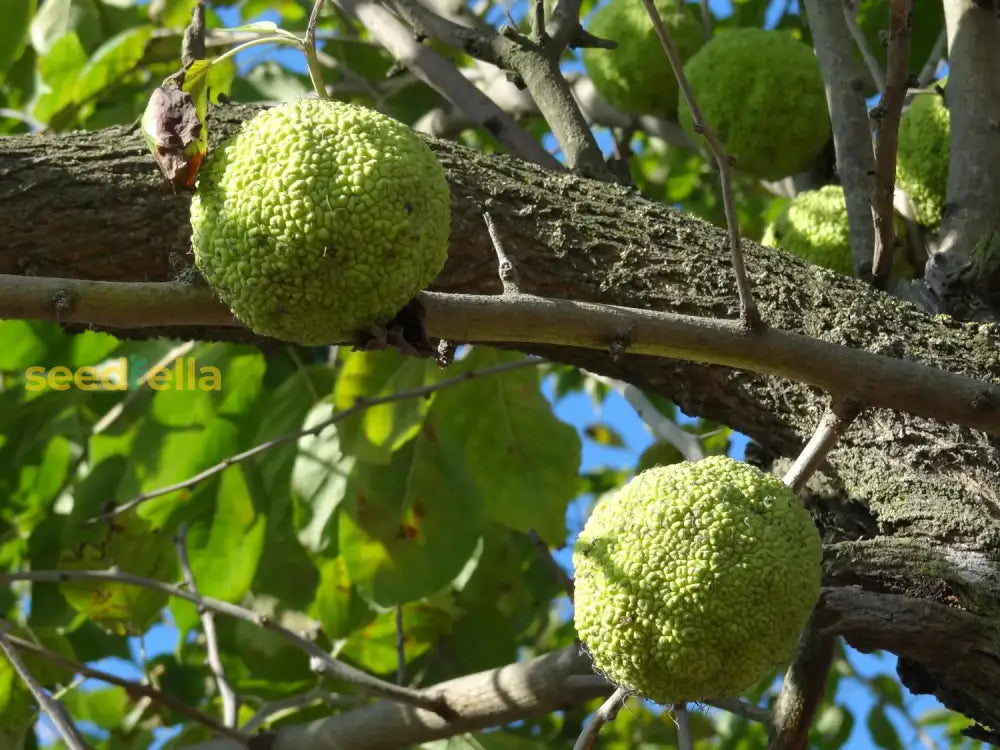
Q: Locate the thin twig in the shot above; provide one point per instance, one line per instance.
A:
(132, 689)
(400, 647)
(66, 729)
(230, 701)
(852, 136)
(684, 739)
(309, 48)
(507, 269)
(874, 68)
(320, 661)
(360, 405)
(561, 576)
(16, 114)
(802, 689)
(193, 41)
(887, 115)
(835, 422)
(749, 314)
(741, 708)
(607, 712)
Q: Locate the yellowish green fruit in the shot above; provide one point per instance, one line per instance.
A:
(319, 219)
(636, 77)
(762, 93)
(814, 226)
(133, 545)
(694, 580)
(924, 151)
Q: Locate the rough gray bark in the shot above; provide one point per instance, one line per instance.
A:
(911, 506)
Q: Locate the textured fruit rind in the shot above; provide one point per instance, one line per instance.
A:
(924, 151)
(320, 218)
(762, 93)
(694, 580)
(814, 227)
(636, 77)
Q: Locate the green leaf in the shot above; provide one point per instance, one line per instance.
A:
(224, 550)
(374, 645)
(376, 432)
(117, 57)
(319, 482)
(105, 707)
(14, 31)
(59, 70)
(525, 461)
(604, 434)
(888, 689)
(408, 528)
(831, 728)
(57, 19)
(338, 606)
(882, 731)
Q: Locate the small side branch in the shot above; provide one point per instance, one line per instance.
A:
(507, 270)
(685, 741)
(835, 422)
(320, 661)
(887, 114)
(134, 690)
(749, 314)
(312, 57)
(874, 68)
(230, 701)
(66, 729)
(852, 139)
(607, 712)
(802, 689)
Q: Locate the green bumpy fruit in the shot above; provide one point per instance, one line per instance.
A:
(814, 227)
(924, 151)
(636, 77)
(319, 219)
(693, 581)
(762, 93)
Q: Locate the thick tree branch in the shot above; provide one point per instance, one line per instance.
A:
(852, 138)
(442, 76)
(802, 690)
(869, 379)
(973, 99)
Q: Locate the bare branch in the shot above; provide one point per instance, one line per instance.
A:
(506, 267)
(887, 115)
(706, 20)
(663, 428)
(537, 66)
(875, 380)
(852, 137)
(320, 661)
(607, 712)
(973, 99)
(271, 709)
(66, 729)
(193, 42)
(309, 48)
(802, 689)
(442, 76)
(749, 314)
(133, 689)
(230, 701)
(929, 72)
(874, 68)
(835, 422)
(359, 406)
